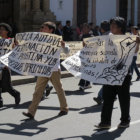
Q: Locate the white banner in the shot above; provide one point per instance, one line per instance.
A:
(104, 60)
(74, 46)
(37, 54)
(5, 47)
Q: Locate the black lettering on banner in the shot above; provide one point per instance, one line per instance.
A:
(46, 36)
(50, 39)
(13, 54)
(36, 37)
(48, 58)
(15, 65)
(53, 51)
(46, 70)
(6, 42)
(38, 57)
(41, 38)
(53, 61)
(47, 49)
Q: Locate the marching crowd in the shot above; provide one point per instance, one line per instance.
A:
(107, 94)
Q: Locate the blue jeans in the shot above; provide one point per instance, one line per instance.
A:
(100, 93)
(134, 66)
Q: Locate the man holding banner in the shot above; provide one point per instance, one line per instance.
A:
(49, 27)
(106, 60)
(117, 27)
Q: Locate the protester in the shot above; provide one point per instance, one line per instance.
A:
(67, 32)
(96, 31)
(49, 27)
(84, 84)
(134, 31)
(59, 29)
(79, 31)
(91, 25)
(117, 27)
(5, 74)
(105, 30)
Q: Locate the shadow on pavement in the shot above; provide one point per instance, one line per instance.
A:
(26, 127)
(106, 136)
(77, 92)
(91, 109)
(135, 94)
(25, 105)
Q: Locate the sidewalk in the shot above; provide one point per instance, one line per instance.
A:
(20, 79)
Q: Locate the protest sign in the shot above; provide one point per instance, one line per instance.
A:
(5, 47)
(104, 59)
(74, 46)
(37, 54)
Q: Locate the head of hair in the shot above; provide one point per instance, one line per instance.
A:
(120, 22)
(58, 23)
(50, 25)
(7, 28)
(135, 27)
(91, 24)
(68, 22)
(86, 25)
(105, 25)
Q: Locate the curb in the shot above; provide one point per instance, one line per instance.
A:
(20, 80)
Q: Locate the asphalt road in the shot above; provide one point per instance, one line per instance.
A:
(77, 125)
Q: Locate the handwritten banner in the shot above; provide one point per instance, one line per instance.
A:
(74, 46)
(104, 59)
(37, 54)
(5, 47)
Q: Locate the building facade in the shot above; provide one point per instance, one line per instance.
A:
(28, 15)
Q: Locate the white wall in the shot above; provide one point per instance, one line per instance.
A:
(105, 9)
(64, 11)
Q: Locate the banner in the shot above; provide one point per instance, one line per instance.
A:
(74, 46)
(37, 54)
(104, 59)
(5, 47)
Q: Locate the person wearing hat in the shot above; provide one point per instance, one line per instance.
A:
(5, 75)
(49, 27)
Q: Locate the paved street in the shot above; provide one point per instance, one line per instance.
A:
(77, 125)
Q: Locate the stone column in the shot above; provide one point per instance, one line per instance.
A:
(28, 6)
(74, 20)
(129, 11)
(136, 12)
(46, 6)
(117, 7)
(36, 5)
(94, 11)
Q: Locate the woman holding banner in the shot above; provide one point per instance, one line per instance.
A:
(5, 75)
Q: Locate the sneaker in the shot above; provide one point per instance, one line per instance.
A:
(29, 115)
(98, 100)
(138, 78)
(86, 87)
(62, 113)
(103, 126)
(81, 88)
(48, 91)
(123, 125)
(1, 103)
